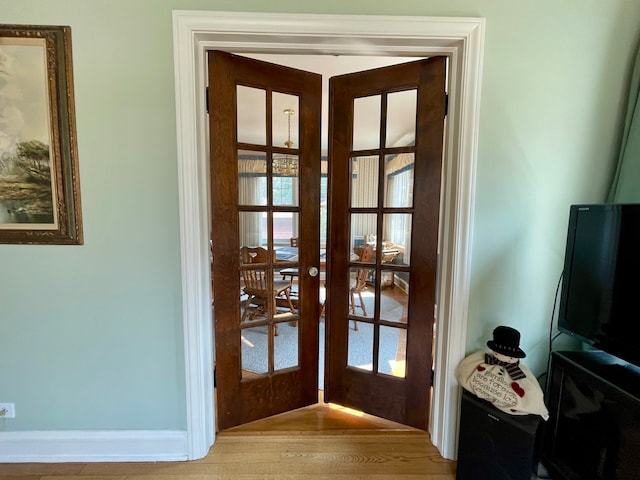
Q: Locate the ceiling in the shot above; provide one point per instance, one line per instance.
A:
(400, 131)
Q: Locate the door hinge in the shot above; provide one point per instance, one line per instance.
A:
(215, 379)
(446, 105)
(433, 374)
(206, 99)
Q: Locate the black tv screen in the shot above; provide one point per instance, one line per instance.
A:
(600, 298)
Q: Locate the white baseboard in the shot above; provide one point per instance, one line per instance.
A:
(93, 446)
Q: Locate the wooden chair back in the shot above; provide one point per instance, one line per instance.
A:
(254, 278)
(254, 268)
(255, 255)
(361, 275)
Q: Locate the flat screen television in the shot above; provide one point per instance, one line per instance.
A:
(600, 296)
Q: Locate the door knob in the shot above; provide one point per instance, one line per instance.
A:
(313, 271)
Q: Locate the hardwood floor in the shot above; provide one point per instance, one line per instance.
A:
(317, 442)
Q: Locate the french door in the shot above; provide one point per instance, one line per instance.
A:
(265, 182)
(380, 252)
(384, 209)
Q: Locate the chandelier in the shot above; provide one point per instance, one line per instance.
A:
(286, 165)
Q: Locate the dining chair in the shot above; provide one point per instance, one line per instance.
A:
(290, 272)
(254, 269)
(360, 284)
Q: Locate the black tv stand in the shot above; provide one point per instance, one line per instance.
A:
(594, 427)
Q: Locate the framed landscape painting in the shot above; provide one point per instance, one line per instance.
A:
(39, 185)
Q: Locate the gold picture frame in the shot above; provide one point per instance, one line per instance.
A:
(39, 184)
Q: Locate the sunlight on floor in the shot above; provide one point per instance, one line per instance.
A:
(350, 411)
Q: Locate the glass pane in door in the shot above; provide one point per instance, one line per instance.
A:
(285, 180)
(366, 122)
(363, 232)
(394, 296)
(398, 180)
(364, 182)
(361, 292)
(397, 238)
(392, 351)
(401, 118)
(285, 234)
(253, 103)
(285, 347)
(252, 229)
(285, 163)
(287, 257)
(252, 178)
(284, 117)
(254, 351)
(360, 349)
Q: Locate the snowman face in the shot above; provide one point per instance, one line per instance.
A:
(505, 358)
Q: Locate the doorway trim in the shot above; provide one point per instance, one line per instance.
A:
(461, 40)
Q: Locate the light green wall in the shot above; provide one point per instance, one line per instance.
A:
(91, 335)
(552, 106)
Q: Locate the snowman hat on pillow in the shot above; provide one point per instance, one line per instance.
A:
(506, 341)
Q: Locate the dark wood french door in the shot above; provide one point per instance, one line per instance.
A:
(383, 215)
(265, 182)
(381, 246)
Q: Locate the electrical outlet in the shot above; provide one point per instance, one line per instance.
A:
(7, 410)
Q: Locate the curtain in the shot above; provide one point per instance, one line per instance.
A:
(399, 193)
(626, 182)
(397, 226)
(364, 184)
(251, 228)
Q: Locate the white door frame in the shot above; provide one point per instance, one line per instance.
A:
(461, 40)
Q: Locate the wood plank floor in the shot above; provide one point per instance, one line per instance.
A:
(317, 442)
